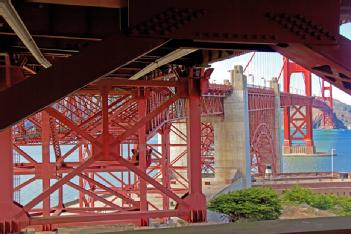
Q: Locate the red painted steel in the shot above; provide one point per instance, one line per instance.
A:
(262, 133)
(108, 159)
(327, 97)
(297, 118)
(97, 129)
(108, 125)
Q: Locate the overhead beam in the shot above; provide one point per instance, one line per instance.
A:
(90, 3)
(71, 74)
(135, 83)
(331, 63)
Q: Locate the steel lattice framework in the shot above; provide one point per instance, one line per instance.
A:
(116, 170)
(110, 161)
(262, 136)
(103, 95)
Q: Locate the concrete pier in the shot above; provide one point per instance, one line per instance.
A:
(232, 158)
(278, 123)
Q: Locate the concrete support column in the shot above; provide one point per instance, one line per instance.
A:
(232, 142)
(277, 125)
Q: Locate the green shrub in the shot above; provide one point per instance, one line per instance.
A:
(297, 195)
(250, 204)
(343, 206)
(322, 202)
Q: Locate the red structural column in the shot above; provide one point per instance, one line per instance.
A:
(165, 162)
(105, 123)
(308, 113)
(81, 181)
(196, 199)
(44, 172)
(6, 176)
(327, 97)
(142, 111)
(286, 88)
(12, 217)
(6, 164)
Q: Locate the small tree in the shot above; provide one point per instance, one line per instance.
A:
(250, 204)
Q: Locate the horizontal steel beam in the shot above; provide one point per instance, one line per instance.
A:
(135, 83)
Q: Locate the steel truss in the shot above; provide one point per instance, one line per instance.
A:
(98, 142)
(262, 133)
(103, 147)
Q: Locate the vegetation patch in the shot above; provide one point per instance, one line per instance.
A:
(259, 203)
(248, 204)
(340, 205)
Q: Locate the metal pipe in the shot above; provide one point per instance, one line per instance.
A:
(11, 16)
(174, 55)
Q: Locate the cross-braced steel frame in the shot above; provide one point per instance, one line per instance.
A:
(103, 147)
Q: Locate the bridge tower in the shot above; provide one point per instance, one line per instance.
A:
(298, 136)
(327, 97)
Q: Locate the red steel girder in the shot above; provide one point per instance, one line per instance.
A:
(155, 109)
(297, 29)
(237, 21)
(330, 62)
(71, 74)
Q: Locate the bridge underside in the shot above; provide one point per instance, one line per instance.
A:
(125, 42)
(121, 75)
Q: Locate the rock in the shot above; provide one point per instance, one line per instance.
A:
(218, 218)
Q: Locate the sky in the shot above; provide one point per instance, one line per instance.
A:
(264, 66)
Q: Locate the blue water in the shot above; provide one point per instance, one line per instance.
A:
(325, 140)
